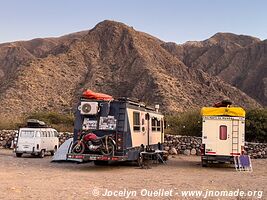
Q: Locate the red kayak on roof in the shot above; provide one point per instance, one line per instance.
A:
(98, 96)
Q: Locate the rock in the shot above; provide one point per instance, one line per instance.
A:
(187, 152)
(198, 152)
(173, 151)
(193, 151)
(166, 148)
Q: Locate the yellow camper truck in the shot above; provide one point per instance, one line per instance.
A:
(223, 134)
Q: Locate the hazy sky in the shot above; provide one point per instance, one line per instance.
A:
(169, 20)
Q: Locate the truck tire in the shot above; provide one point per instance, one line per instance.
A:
(19, 155)
(53, 152)
(204, 163)
(42, 153)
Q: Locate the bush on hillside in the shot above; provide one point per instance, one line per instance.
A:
(187, 123)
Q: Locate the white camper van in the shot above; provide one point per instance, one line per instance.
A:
(223, 134)
(36, 139)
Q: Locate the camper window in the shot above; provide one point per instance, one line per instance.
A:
(154, 124)
(158, 125)
(223, 132)
(136, 121)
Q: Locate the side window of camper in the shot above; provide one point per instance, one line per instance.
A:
(158, 125)
(223, 132)
(154, 124)
(136, 121)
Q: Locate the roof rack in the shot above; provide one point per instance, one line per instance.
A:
(35, 123)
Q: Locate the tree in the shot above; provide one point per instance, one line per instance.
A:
(187, 123)
(256, 125)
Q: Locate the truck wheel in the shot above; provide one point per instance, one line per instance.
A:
(204, 163)
(42, 153)
(18, 155)
(101, 162)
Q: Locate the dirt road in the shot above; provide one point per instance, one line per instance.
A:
(35, 178)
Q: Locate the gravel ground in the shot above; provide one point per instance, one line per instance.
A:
(35, 178)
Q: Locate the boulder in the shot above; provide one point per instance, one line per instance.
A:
(173, 151)
(193, 151)
(187, 152)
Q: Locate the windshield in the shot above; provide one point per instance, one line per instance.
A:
(27, 134)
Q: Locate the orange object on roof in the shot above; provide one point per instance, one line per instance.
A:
(98, 96)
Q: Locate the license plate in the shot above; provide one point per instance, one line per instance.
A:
(93, 158)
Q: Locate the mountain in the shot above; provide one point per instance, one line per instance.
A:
(237, 59)
(49, 74)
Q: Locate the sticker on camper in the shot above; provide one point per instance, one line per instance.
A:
(89, 124)
(222, 117)
(107, 123)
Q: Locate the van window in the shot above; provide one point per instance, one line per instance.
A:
(27, 134)
(136, 121)
(55, 133)
(37, 134)
(44, 133)
(223, 132)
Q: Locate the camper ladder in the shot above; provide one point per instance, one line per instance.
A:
(235, 137)
(120, 127)
(243, 163)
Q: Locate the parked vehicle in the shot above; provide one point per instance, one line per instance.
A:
(90, 142)
(36, 139)
(223, 134)
(108, 129)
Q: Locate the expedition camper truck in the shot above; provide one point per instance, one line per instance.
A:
(131, 126)
(36, 139)
(223, 134)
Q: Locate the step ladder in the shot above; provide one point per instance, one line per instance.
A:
(235, 137)
(243, 163)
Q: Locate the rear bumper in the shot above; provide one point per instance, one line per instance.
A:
(217, 158)
(93, 157)
(27, 152)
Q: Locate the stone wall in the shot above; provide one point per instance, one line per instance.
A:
(190, 145)
(175, 144)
